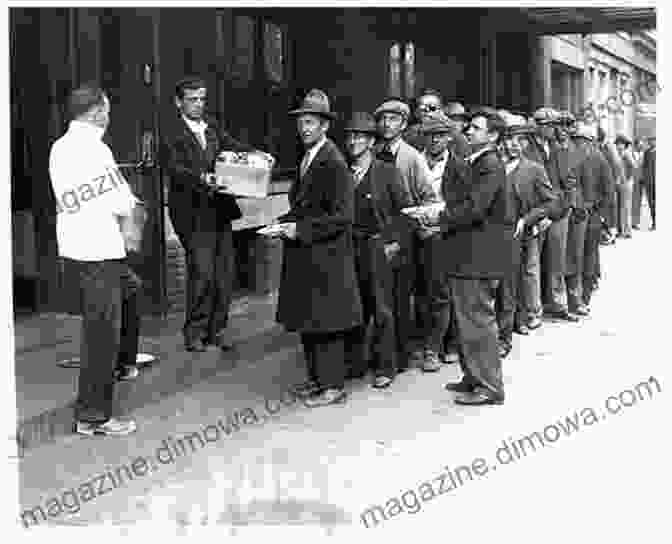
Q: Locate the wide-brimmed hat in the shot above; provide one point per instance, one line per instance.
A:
(393, 106)
(316, 102)
(361, 121)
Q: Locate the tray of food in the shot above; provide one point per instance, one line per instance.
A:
(244, 174)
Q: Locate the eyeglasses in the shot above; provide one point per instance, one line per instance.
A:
(472, 126)
(429, 107)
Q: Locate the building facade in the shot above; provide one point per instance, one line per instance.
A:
(258, 63)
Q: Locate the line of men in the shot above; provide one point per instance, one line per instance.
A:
(480, 225)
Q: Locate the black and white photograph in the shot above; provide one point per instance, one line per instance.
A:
(344, 269)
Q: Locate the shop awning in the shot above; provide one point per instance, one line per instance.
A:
(576, 20)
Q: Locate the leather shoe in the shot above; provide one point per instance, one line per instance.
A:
(326, 397)
(459, 387)
(504, 350)
(564, 315)
(534, 323)
(478, 398)
(195, 345)
(450, 357)
(382, 382)
(305, 389)
(582, 311)
(522, 329)
(218, 341)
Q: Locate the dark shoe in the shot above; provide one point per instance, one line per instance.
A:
(478, 398)
(534, 323)
(126, 373)
(450, 358)
(112, 427)
(382, 382)
(563, 314)
(326, 397)
(305, 389)
(636, 227)
(582, 310)
(195, 345)
(218, 341)
(355, 374)
(459, 387)
(504, 349)
(522, 329)
(431, 362)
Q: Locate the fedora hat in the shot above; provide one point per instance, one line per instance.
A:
(361, 121)
(316, 102)
(436, 125)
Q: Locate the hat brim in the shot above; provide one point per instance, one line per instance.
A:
(360, 129)
(326, 114)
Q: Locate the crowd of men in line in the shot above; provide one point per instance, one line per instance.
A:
(429, 240)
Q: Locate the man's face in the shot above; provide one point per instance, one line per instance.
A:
(102, 114)
(620, 147)
(311, 128)
(477, 132)
(192, 104)
(513, 146)
(391, 125)
(358, 143)
(456, 122)
(428, 106)
(438, 142)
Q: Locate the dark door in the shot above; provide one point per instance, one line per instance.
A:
(118, 48)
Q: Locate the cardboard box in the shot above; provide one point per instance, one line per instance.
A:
(244, 174)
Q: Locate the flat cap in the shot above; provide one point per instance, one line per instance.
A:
(393, 106)
(545, 116)
(436, 125)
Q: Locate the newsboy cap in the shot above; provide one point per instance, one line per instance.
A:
(436, 125)
(361, 121)
(546, 116)
(393, 106)
(316, 102)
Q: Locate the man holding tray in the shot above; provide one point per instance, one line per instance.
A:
(201, 212)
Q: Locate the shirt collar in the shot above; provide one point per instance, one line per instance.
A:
(394, 148)
(195, 126)
(316, 147)
(83, 127)
(443, 158)
(476, 154)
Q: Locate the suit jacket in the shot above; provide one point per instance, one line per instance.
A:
(415, 174)
(594, 180)
(560, 164)
(479, 219)
(381, 197)
(535, 196)
(192, 205)
(649, 167)
(318, 286)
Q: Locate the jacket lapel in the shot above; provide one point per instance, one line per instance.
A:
(304, 183)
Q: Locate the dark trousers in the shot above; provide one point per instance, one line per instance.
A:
(477, 330)
(375, 281)
(402, 274)
(210, 264)
(641, 189)
(507, 306)
(325, 354)
(109, 291)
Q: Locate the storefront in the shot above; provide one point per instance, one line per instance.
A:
(258, 64)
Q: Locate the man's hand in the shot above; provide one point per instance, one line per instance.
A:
(391, 250)
(520, 228)
(289, 230)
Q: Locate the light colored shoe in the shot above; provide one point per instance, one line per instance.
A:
(382, 382)
(534, 323)
(127, 373)
(327, 397)
(112, 427)
(431, 362)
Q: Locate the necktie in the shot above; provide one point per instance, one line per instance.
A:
(386, 154)
(304, 164)
(200, 136)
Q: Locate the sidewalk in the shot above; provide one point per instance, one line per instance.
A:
(45, 391)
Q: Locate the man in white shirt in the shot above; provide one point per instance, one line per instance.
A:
(94, 207)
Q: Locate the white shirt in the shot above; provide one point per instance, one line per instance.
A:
(436, 172)
(198, 128)
(310, 154)
(90, 195)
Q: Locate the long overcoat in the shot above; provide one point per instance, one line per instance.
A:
(318, 286)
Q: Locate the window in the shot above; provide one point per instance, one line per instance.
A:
(402, 70)
(258, 86)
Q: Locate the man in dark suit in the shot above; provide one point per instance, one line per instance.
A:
(649, 179)
(478, 226)
(593, 204)
(319, 297)
(379, 199)
(201, 214)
